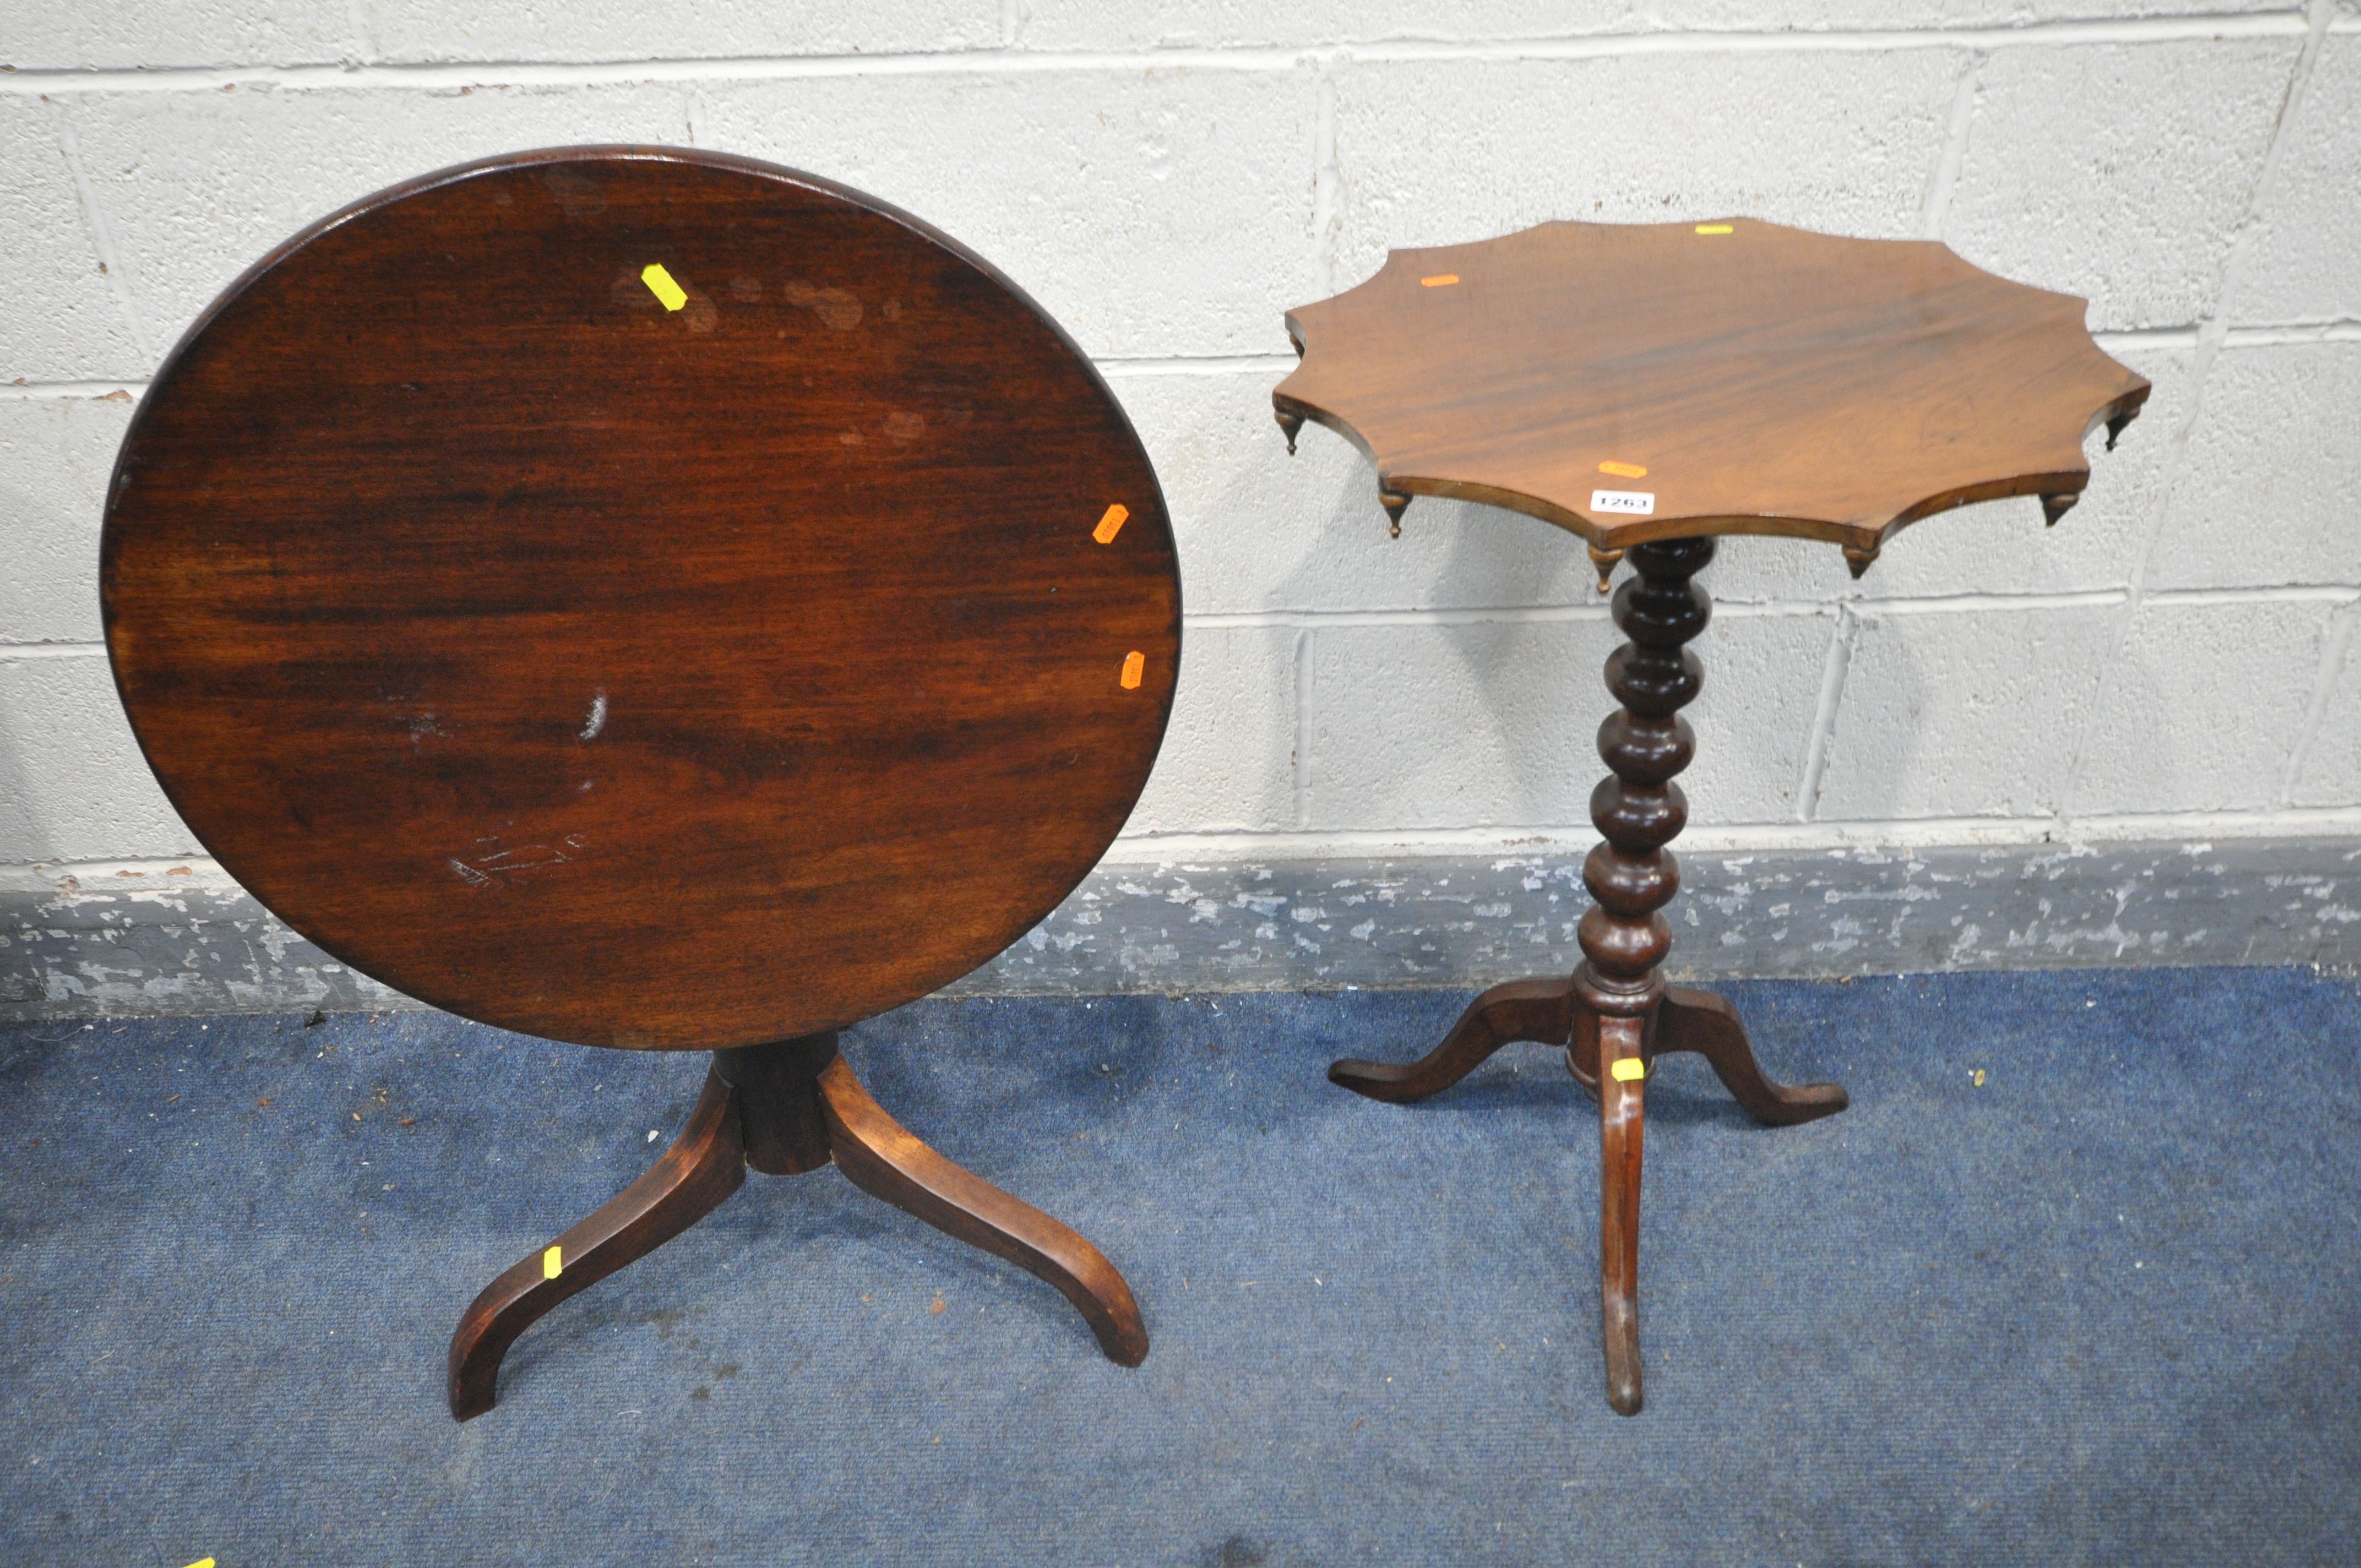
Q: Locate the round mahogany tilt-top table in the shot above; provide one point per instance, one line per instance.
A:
(652, 600)
(1648, 387)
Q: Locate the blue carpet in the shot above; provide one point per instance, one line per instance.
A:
(2100, 1308)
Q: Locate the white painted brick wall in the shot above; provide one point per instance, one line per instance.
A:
(55, 456)
(1154, 213)
(2175, 659)
(1496, 746)
(51, 253)
(2308, 227)
(72, 785)
(2328, 757)
(130, 34)
(1220, 24)
(1754, 721)
(2119, 172)
(1968, 712)
(1429, 152)
(2197, 712)
(2271, 488)
(435, 30)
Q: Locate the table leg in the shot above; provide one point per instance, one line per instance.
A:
(1621, 1123)
(1521, 1010)
(1701, 1022)
(881, 1158)
(785, 1108)
(703, 1166)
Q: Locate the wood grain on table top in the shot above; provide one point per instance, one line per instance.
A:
(1749, 378)
(647, 677)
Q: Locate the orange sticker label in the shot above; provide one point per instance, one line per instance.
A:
(1624, 470)
(1439, 281)
(1629, 1069)
(1713, 228)
(552, 1263)
(1111, 524)
(1134, 663)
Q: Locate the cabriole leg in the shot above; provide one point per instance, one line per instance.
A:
(703, 1166)
(1520, 1010)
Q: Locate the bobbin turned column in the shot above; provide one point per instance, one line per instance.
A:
(1614, 1016)
(1638, 809)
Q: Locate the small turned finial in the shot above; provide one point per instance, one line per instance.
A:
(1605, 560)
(1290, 424)
(1395, 504)
(2116, 425)
(1858, 559)
(2055, 507)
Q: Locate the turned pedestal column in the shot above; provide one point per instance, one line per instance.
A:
(1615, 1015)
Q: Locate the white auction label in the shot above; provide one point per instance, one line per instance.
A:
(1639, 503)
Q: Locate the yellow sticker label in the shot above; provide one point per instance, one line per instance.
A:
(1111, 524)
(1624, 470)
(1628, 1070)
(661, 285)
(1439, 281)
(1134, 663)
(552, 1262)
(1713, 228)
(202, 1563)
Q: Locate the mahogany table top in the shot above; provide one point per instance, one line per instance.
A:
(1639, 381)
(641, 597)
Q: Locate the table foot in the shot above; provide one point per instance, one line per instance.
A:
(785, 1108)
(703, 1166)
(1521, 1010)
(1691, 1019)
(881, 1158)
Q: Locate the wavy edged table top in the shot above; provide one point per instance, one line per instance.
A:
(1741, 377)
(641, 597)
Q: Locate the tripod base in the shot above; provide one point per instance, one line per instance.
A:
(1598, 1042)
(783, 1110)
